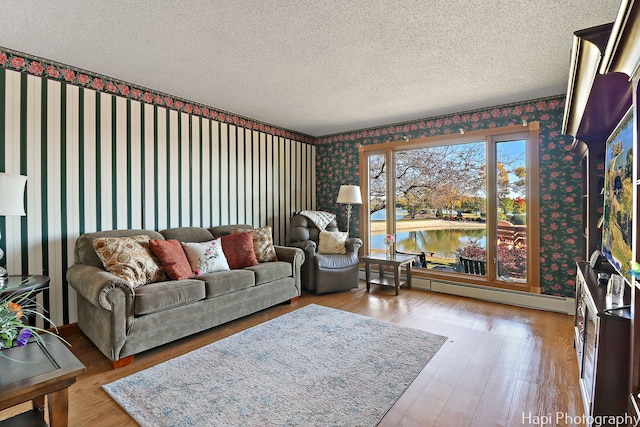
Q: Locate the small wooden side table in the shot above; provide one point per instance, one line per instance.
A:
(396, 261)
(33, 372)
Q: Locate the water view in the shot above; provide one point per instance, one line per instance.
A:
(443, 243)
(441, 237)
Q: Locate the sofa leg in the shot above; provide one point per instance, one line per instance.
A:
(122, 362)
(292, 300)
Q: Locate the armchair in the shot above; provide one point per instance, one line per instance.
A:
(323, 273)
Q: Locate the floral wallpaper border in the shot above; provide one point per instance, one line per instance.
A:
(52, 70)
(337, 163)
(451, 123)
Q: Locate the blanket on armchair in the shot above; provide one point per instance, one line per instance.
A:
(320, 218)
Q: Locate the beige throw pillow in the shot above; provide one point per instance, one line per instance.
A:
(262, 243)
(129, 258)
(332, 242)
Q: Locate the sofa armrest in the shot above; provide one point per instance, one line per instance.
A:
(95, 285)
(353, 245)
(296, 257)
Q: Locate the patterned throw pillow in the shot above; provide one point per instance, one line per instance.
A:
(332, 242)
(262, 243)
(173, 259)
(206, 257)
(129, 258)
(238, 248)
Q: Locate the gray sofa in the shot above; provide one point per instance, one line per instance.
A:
(122, 321)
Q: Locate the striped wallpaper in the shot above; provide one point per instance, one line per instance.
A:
(97, 161)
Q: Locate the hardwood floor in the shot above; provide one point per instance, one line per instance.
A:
(501, 366)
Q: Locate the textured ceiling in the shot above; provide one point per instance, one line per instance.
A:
(316, 67)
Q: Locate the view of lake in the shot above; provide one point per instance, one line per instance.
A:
(444, 242)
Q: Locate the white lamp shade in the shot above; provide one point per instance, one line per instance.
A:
(349, 194)
(12, 194)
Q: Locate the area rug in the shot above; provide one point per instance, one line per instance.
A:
(315, 366)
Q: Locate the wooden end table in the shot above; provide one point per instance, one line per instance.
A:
(37, 371)
(396, 261)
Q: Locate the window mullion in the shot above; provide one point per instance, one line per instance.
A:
(391, 192)
(492, 209)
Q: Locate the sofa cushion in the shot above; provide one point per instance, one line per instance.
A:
(224, 282)
(129, 258)
(205, 257)
(188, 234)
(238, 248)
(269, 271)
(332, 242)
(174, 260)
(165, 295)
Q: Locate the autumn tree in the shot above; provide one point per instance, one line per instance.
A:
(442, 177)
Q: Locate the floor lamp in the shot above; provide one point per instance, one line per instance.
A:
(11, 203)
(349, 195)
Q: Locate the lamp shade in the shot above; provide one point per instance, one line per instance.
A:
(349, 194)
(12, 194)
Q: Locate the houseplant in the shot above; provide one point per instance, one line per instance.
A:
(15, 309)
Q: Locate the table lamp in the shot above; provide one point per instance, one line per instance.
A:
(349, 195)
(11, 203)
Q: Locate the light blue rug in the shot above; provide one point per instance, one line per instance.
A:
(315, 366)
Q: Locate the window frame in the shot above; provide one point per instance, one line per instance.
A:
(530, 133)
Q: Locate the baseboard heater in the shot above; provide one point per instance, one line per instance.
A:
(564, 305)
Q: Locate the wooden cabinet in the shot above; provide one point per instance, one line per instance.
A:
(601, 340)
(603, 85)
(622, 57)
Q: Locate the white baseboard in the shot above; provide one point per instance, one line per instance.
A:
(564, 305)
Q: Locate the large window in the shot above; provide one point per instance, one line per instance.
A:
(461, 203)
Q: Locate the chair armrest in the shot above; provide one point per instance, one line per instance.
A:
(353, 245)
(95, 285)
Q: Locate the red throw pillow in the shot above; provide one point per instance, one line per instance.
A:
(238, 248)
(173, 259)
